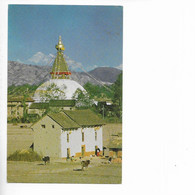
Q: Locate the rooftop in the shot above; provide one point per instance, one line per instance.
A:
(19, 99)
(63, 120)
(39, 106)
(53, 103)
(84, 117)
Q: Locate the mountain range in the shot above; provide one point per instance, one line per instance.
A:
(20, 74)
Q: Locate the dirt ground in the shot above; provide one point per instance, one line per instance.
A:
(18, 138)
(63, 172)
(59, 171)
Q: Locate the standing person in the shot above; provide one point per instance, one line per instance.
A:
(98, 152)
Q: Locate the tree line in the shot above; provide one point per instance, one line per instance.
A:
(108, 99)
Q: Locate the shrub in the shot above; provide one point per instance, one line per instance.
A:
(24, 155)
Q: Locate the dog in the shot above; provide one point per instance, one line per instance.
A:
(85, 164)
(46, 159)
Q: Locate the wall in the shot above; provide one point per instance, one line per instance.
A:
(36, 111)
(47, 140)
(115, 153)
(75, 141)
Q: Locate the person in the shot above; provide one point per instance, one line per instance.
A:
(98, 152)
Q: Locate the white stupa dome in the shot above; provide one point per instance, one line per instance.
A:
(62, 89)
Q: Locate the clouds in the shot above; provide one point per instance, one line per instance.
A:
(78, 66)
(42, 59)
(39, 58)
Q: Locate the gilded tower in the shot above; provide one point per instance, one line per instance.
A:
(60, 67)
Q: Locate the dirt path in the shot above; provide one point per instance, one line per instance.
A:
(33, 172)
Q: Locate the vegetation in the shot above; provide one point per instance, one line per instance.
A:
(18, 90)
(96, 91)
(23, 103)
(117, 99)
(83, 99)
(24, 155)
(53, 92)
(111, 93)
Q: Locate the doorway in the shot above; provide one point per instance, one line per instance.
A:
(83, 150)
(68, 153)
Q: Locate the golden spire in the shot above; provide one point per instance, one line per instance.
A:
(60, 46)
(60, 66)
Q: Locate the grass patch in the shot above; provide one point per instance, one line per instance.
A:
(24, 155)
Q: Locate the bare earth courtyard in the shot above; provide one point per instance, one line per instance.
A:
(58, 171)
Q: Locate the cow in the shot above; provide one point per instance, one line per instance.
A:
(85, 164)
(46, 159)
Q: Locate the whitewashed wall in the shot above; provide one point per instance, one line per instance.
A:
(90, 141)
(75, 141)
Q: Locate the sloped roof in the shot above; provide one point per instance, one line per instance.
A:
(53, 103)
(62, 103)
(84, 117)
(63, 120)
(39, 106)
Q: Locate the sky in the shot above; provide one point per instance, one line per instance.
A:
(92, 35)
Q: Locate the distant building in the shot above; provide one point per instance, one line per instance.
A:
(69, 133)
(15, 107)
(40, 108)
(115, 146)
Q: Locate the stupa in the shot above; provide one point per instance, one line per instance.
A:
(60, 86)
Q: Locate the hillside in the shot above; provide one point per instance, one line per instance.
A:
(20, 74)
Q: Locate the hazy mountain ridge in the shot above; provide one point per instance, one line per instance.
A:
(20, 74)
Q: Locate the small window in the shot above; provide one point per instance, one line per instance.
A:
(95, 135)
(43, 126)
(82, 136)
(53, 126)
(67, 137)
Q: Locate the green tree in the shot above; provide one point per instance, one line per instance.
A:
(117, 99)
(24, 105)
(83, 99)
(96, 91)
(53, 92)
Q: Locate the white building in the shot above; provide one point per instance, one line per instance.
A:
(69, 133)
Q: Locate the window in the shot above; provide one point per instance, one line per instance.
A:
(53, 126)
(43, 126)
(95, 135)
(67, 137)
(82, 136)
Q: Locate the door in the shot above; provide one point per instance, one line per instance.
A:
(68, 153)
(83, 150)
(96, 147)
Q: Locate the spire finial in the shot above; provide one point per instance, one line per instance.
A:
(60, 40)
(60, 46)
